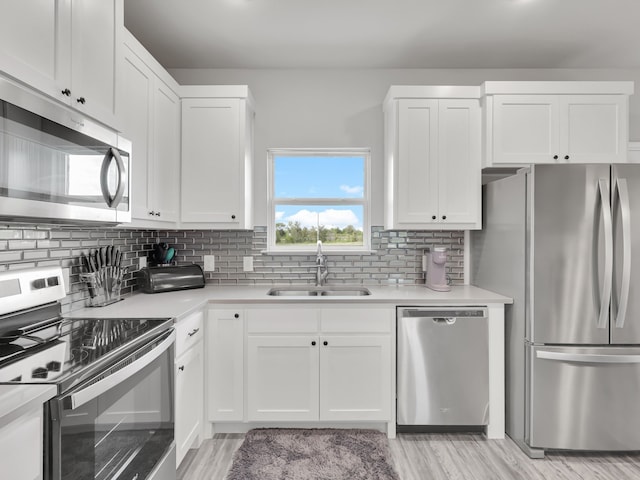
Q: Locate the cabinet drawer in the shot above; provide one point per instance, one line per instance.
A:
(279, 320)
(356, 320)
(188, 332)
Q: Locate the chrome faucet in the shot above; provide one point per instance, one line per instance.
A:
(321, 266)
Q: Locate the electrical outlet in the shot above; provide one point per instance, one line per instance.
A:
(209, 263)
(142, 262)
(247, 264)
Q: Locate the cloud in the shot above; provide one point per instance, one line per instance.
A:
(357, 190)
(330, 218)
(279, 215)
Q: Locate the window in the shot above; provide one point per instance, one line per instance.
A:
(319, 195)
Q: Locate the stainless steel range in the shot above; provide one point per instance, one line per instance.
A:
(113, 417)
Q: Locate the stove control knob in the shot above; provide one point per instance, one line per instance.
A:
(54, 366)
(39, 283)
(39, 373)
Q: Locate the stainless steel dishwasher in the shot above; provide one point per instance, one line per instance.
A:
(443, 366)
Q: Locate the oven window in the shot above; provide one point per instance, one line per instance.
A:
(124, 432)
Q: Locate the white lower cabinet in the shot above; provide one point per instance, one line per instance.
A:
(189, 396)
(225, 365)
(355, 377)
(300, 363)
(21, 446)
(282, 377)
(319, 364)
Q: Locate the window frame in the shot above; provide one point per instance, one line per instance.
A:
(364, 201)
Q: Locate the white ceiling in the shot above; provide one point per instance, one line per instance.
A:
(388, 33)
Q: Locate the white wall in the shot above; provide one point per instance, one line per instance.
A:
(343, 108)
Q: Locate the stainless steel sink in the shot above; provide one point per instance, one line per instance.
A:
(311, 291)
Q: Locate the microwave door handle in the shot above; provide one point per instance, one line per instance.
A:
(112, 201)
(85, 395)
(625, 213)
(605, 294)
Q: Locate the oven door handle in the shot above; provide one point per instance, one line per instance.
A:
(80, 397)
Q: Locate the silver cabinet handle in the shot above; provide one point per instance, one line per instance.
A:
(79, 398)
(193, 332)
(625, 213)
(605, 294)
(587, 357)
(112, 201)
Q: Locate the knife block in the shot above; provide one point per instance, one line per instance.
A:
(104, 285)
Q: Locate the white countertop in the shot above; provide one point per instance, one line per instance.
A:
(181, 303)
(16, 400)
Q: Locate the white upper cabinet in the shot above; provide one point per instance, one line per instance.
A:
(67, 49)
(432, 158)
(556, 122)
(150, 113)
(164, 187)
(96, 54)
(217, 157)
(33, 58)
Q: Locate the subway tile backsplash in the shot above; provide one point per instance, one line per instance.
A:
(396, 256)
(27, 246)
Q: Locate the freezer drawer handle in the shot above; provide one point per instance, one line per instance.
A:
(623, 195)
(587, 357)
(605, 294)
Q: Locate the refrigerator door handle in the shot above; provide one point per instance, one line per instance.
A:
(605, 294)
(587, 357)
(625, 213)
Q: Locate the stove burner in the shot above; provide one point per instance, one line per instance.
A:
(78, 355)
(8, 349)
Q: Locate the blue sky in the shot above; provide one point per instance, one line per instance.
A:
(314, 177)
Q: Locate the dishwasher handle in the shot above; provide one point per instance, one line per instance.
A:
(444, 320)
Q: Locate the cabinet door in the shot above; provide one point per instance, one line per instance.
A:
(189, 399)
(225, 365)
(594, 128)
(165, 174)
(213, 187)
(355, 378)
(459, 177)
(21, 447)
(282, 378)
(417, 170)
(526, 129)
(32, 39)
(134, 107)
(95, 56)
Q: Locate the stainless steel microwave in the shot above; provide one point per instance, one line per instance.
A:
(58, 166)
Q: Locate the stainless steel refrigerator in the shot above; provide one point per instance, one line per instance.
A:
(564, 242)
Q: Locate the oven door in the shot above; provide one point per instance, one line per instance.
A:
(119, 425)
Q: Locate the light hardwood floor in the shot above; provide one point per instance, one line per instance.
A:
(450, 456)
